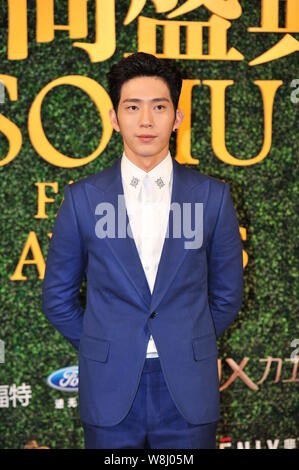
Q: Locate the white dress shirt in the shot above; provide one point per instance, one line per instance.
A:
(148, 216)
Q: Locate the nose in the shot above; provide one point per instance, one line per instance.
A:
(146, 117)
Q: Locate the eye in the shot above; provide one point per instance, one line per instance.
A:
(132, 106)
(161, 106)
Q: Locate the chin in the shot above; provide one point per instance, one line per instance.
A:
(146, 150)
(148, 153)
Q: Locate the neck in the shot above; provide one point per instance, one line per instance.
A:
(148, 162)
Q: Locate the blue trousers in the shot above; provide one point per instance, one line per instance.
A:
(153, 421)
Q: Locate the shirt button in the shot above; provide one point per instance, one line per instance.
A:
(153, 315)
(147, 268)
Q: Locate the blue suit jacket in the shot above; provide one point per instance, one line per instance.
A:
(197, 295)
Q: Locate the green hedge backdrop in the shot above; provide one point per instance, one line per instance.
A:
(264, 195)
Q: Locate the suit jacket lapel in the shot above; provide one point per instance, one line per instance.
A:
(106, 187)
(173, 252)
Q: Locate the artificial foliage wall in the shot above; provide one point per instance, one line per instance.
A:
(239, 61)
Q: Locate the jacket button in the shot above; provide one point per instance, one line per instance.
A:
(153, 315)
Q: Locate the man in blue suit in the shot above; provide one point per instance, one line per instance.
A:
(161, 249)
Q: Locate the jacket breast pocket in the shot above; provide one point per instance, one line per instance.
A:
(204, 347)
(94, 348)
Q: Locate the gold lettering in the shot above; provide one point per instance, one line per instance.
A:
(43, 199)
(8, 128)
(183, 150)
(105, 43)
(268, 90)
(38, 259)
(194, 39)
(77, 16)
(38, 138)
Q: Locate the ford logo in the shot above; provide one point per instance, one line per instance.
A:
(65, 379)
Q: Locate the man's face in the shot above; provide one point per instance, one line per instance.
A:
(145, 118)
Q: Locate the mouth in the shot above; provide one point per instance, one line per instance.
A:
(146, 137)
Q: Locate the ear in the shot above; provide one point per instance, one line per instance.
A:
(113, 120)
(178, 119)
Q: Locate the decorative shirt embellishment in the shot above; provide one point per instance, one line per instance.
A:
(160, 182)
(134, 181)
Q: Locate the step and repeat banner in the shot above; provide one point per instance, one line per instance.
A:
(240, 98)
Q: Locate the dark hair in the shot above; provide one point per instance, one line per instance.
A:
(142, 64)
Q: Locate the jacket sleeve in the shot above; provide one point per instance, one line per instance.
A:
(225, 266)
(66, 262)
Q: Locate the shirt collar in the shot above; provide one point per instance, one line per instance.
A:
(133, 175)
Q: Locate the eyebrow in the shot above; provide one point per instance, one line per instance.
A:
(137, 100)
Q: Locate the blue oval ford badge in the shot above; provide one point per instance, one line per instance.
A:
(65, 379)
